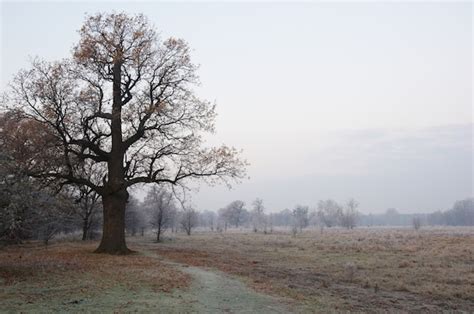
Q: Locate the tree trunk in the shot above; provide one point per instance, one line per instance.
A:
(113, 234)
(158, 233)
(115, 195)
(85, 228)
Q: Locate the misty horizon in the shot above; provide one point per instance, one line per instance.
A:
(367, 101)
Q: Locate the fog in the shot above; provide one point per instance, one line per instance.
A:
(369, 101)
(418, 171)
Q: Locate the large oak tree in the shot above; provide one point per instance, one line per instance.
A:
(122, 105)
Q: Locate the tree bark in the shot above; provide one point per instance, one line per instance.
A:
(115, 195)
(85, 229)
(113, 234)
(160, 223)
(158, 233)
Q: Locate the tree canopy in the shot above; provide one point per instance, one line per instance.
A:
(123, 105)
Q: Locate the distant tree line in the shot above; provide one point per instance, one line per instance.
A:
(460, 214)
(31, 209)
(328, 213)
(237, 215)
(160, 211)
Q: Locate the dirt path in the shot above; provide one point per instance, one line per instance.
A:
(215, 292)
(212, 292)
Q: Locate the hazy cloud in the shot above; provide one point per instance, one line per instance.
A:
(417, 170)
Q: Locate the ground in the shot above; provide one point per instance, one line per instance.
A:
(359, 270)
(430, 270)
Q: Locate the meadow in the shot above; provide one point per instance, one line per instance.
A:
(361, 269)
(365, 269)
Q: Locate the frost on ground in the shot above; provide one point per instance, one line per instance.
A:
(68, 277)
(357, 270)
(213, 291)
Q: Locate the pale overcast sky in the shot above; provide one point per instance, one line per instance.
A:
(327, 100)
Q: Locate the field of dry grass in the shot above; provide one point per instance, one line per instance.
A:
(69, 277)
(362, 269)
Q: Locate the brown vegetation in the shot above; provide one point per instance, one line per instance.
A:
(70, 273)
(430, 270)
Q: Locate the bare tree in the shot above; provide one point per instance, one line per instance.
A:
(52, 213)
(188, 219)
(349, 215)
(329, 212)
(123, 104)
(161, 208)
(258, 216)
(135, 219)
(300, 218)
(208, 219)
(223, 215)
(235, 213)
(88, 202)
(283, 218)
(462, 213)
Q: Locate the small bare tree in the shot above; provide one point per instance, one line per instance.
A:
(188, 219)
(208, 219)
(135, 216)
(300, 218)
(348, 217)
(329, 212)
(235, 213)
(258, 216)
(416, 223)
(89, 207)
(161, 208)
